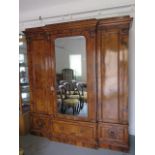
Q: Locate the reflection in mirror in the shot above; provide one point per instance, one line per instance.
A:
(71, 76)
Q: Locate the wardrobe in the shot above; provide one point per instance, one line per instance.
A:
(104, 82)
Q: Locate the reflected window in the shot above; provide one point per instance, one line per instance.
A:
(20, 43)
(75, 64)
(21, 58)
(23, 75)
(22, 69)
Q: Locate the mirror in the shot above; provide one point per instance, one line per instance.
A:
(71, 76)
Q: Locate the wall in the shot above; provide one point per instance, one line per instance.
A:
(52, 12)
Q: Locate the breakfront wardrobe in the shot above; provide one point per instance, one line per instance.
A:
(94, 112)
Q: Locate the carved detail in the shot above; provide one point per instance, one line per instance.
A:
(40, 123)
(112, 133)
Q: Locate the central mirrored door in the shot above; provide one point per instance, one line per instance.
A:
(71, 76)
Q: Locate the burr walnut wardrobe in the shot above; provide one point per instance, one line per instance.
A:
(91, 107)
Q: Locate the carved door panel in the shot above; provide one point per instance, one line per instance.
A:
(38, 59)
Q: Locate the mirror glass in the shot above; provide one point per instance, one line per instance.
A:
(71, 76)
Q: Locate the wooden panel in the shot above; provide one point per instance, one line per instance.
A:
(40, 101)
(85, 130)
(109, 67)
(74, 133)
(123, 78)
(38, 65)
(71, 27)
(113, 135)
(91, 75)
(40, 124)
(63, 128)
(112, 56)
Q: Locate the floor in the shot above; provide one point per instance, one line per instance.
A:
(34, 145)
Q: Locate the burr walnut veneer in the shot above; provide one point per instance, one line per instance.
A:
(107, 83)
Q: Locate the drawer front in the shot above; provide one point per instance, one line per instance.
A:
(87, 131)
(67, 129)
(116, 134)
(84, 130)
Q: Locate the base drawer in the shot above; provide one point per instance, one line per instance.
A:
(113, 135)
(81, 133)
(85, 130)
